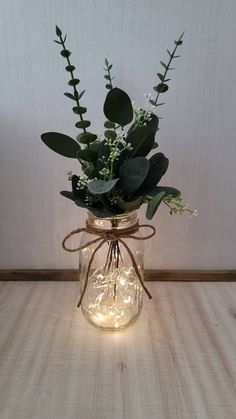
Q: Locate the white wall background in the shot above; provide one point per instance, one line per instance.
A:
(198, 132)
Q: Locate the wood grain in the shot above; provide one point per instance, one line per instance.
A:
(177, 362)
(150, 275)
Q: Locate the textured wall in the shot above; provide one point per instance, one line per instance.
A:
(197, 132)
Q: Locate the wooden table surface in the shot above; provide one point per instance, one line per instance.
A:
(177, 361)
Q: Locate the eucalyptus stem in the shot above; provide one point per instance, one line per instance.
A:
(76, 94)
(162, 87)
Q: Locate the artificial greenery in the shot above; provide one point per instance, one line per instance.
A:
(118, 175)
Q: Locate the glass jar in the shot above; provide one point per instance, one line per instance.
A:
(114, 295)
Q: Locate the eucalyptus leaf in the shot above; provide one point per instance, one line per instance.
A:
(169, 190)
(162, 88)
(83, 124)
(129, 205)
(58, 31)
(141, 140)
(118, 107)
(111, 135)
(87, 155)
(70, 68)
(61, 144)
(158, 165)
(109, 124)
(81, 94)
(68, 195)
(154, 204)
(98, 186)
(65, 53)
(73, 82)
(153, 123)
(79, 110)
(132, 174)
(86, 138)
(70, 96)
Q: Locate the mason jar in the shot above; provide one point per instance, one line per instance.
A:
(114, 296)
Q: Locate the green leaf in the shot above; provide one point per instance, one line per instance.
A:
(58, 31)
(163, 65)
(86, 138)
(155, 145)
(68, 195)
(152, 102)
(118, 107)
(61, 144)
(70, 96)
(111, 135)
(79, 110)
(89, 170)
(162, 87)
(106, 77)
(153, 124)
(81, 94)
(65, 53)
(98, 187)
(141, 139)
(132, 174)
(129, 205)
(83, 124)
(158, 165)
(178, 42)
(106, 62)
(169, 190)
(87, 155)
(161, 77)
(73, 82)
(57, 42)
(109, 124)
(154, 204)
(108, 86)
(70, 68)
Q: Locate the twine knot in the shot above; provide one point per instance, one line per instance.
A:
(109, 235)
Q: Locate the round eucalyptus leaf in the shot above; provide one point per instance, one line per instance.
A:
(65, 53)
(87, 155)
(86, 138)
(108, 86)
(162, 87)
(118, 107)
(83, 124)
(109, 124)
(132, 174)
(73, 82)
(111, 135)
(70, 68)
(79, 110)
(61, 144)
(158, 165)
(99, 187)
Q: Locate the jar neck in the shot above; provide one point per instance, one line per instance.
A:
(117, 222)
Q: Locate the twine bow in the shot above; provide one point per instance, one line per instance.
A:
(103, 237)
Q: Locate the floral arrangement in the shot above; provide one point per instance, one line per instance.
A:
(118, 175)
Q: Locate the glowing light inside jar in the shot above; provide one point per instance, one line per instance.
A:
(112, 297)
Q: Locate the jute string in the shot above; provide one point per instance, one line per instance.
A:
(104, 236)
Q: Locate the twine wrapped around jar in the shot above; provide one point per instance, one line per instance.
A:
(109, 235)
